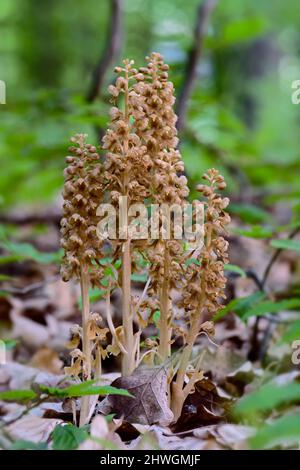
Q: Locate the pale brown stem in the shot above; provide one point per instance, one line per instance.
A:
(178, 391)
(86, 343)
(97, 376)
(128, 360)
(164, 348)
(187, 352)
(111, 325)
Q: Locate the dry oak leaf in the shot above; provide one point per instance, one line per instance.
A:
(32, 428)
(102, 437)
(149, 403)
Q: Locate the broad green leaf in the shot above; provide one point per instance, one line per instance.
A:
(82, 389)
(18, 395)
(10, 343)
(109, 417)
(28, 445)
(267, 398)
(286, 244)
(10, 259)
(268, 306)
(156, 317)
(254, 232)
(249, 213)
(283, 430)
(4, 277)
(233, 268)
(139, 277)
(291, 333)
(68, 437)
(242, 29)
(94, 295)
(25, 251)
(240, 306)
(192, 261)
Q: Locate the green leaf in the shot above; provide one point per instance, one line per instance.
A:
(10, 343)
(256, 231)
(109, 418)
(82, 389)
(25, 251)
(267, 398)
(286, 244)
(139, 277)
(5, 277)
(249, 213)
(239, 306)
(156, 317)
(232, 268)
(68, 437)
(28, 445)
(271, 307)
(18, 395)
(242, 29)
(291, 333)
(95, 294)
(190, 261)
(280, 431)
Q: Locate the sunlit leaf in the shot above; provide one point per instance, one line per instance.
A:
(233, 268)
(68, 437)
(240, 306)
(271, 307)
(286, 244)
(18, 395)
(283, 430)
(82, 389)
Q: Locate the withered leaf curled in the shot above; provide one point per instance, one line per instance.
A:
(149, 403)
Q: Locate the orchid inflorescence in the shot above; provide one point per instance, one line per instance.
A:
(142, 164)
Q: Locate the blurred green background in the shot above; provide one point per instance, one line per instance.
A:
(240, 116)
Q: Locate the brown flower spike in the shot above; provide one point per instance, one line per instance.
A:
(204, 281)
(82, 194)
(141, 165)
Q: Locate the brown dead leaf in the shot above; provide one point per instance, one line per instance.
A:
(32, 428)
(233, 436)
(17, 376)
(162, 438)
(205, 406)
(220, 361)
(47, 359)
(149, 404)
(32, 333)
(100, 433)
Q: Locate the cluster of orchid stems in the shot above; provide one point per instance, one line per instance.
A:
(142, 164)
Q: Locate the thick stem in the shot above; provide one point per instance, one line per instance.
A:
(128, 360)
(178, 393)
(164, 349)
(97, 376)
(187, 352)
(86, 343)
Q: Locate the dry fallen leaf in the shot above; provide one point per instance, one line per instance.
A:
(32, 428)
(233, 436)
(149, 404)
(47, 359)
(100, 434)
(162, 438)
(203, 407)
